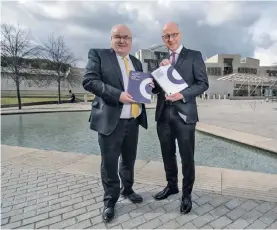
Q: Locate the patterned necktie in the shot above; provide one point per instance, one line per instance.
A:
(173, 58)
(135, 106)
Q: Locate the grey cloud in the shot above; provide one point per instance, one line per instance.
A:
(210, 40)
(266, 41)
(103, 20)
(229, 37)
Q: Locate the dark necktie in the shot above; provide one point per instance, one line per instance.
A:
(173, 58)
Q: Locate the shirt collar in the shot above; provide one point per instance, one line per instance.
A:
(178, 51)
(120, 57)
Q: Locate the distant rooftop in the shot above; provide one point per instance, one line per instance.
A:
(242, 77)
(155, 46)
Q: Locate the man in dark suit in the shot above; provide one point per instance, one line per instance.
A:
(176, 115)
(115, 116)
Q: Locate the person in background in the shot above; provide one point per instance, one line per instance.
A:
(72, 97)
(176, 115)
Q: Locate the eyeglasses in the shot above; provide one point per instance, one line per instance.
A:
(167, 36)
(125, 37)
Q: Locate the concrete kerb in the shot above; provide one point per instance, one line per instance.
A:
(42, 111)
(39, 110)
(255, 141)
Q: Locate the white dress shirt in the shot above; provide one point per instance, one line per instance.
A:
(126, 110)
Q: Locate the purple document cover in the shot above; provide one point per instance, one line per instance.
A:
(139, 87)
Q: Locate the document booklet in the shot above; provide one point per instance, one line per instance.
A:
(169, 79)
(139, 86)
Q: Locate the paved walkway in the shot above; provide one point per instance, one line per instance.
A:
(46, 189)
(255, 117)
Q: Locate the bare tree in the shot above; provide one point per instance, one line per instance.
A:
(16, 48)
(61, 60)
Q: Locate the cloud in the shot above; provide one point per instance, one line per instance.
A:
(211, 27)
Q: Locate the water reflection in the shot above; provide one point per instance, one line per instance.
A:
(70, 132)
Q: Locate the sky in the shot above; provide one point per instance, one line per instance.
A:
(238, 27)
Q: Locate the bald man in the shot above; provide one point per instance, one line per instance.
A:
(115, 116)
(176, 115)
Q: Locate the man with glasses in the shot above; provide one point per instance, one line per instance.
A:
(115, 116)
(176, 115)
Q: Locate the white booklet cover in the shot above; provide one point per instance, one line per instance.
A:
(169, 79)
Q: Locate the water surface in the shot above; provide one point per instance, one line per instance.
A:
(69, 131)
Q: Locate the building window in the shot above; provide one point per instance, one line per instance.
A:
(272, 72)
(228, 66)
(216, 71)
(152, 64)
(159, 55)
(247, 70)
(254, 71)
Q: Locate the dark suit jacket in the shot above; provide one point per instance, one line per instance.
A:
(191, 67)
(104, 79)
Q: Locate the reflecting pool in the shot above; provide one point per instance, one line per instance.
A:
(69, 131)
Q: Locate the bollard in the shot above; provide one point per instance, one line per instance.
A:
(219, 96)
(208, 97)
(85, 98)
(214, 97)
(224, 97)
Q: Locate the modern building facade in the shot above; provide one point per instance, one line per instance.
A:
(229, 74)
(41, 82)
(149, 57)
(240, 76)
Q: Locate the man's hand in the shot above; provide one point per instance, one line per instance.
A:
(152, 84)
(174, 97)
(165, 62)
(126, 98)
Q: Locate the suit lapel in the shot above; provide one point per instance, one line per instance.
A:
(135, 64)
(182, 56)
(112, 56)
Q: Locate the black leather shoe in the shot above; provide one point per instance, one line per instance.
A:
(186, 205)
(108, 214)
(166, 193)
(133, 197)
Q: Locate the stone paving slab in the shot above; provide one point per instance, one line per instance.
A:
(9, 152)
(59, 194)
(39, 198)
(246, 184)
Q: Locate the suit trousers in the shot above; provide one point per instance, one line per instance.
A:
(170, 127)
(121, 142)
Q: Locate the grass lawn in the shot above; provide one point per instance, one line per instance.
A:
(13, 100)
